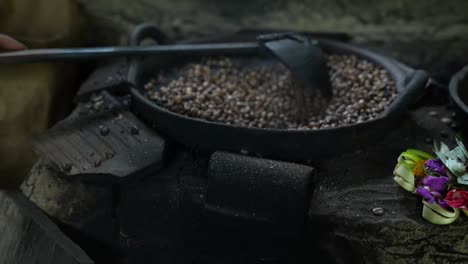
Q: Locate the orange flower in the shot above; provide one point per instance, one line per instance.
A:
(418, 168)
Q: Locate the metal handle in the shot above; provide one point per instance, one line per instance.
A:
(303, 57)
(144, 31)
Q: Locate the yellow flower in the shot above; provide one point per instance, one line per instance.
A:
(418, 168)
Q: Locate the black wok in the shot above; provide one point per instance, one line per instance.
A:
(284, 144)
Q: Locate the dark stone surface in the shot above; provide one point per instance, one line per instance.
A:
(353, 185)
(424, 34)
(159, 215)
(78, 146)
(150, 216)
(83, 210)
(29, 236)
(74, 181)
(272, 194)
(164, 218)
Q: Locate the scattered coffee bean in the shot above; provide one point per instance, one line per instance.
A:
(134, 130)
(97, 163)
(267, 96)
(97, 105)
(104, 130)
(378, 211)
(446, 120)
(96, 98)
(148, 86)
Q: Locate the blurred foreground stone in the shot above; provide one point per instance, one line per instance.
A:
(29, 236)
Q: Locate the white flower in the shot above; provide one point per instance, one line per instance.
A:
(455, 166)
(444, 149)
(463, 179)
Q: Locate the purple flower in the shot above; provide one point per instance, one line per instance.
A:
(433, 189)
(435, 165)
(425, 193)
(436, 184)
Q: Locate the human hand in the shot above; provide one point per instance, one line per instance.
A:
(8, 43)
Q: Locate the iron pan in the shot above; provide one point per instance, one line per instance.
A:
(283, 144)
(458, 90)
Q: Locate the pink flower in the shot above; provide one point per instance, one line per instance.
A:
(457, 198)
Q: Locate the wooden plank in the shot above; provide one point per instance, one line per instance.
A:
(27, 235)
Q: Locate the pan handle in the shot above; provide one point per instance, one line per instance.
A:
(415, 84)
(144, 31)
(140, 33)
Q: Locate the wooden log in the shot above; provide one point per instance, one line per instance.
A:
(27, 235)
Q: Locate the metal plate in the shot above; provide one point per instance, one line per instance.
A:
(112, 143)
(111, 74)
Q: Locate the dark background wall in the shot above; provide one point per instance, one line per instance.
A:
(429, 34)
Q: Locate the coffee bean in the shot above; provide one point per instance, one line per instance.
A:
(446, 120)
(104, 130)
(178, 99)
(96, 98)
(222, 90)
(134, 130)
(378, 211)
(97, 105)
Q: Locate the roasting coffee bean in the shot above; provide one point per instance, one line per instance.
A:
(267, 96)
(134, 130)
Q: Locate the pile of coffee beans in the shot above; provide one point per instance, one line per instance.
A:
(264, 95)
